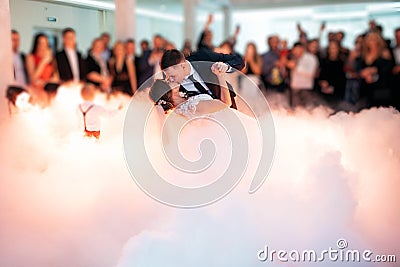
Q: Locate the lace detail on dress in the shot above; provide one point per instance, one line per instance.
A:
(188, 108)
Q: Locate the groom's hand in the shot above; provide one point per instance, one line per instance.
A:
(219, 68)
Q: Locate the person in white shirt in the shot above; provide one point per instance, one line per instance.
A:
(156, 54)
(20, 72)
(107, 52)
(69, 60)
(92, 112)
(303, 70)
(130, 48)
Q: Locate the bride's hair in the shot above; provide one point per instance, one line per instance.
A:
(161, 88)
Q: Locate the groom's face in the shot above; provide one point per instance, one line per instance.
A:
(176, 73)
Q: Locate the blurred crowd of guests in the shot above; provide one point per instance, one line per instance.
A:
(112, 70)
(350, 79)
(365, 75)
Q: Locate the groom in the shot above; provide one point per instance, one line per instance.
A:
(195, 73)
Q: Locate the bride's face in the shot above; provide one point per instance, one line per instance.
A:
(176, 97)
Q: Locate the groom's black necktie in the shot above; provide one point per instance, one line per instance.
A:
(199, 86)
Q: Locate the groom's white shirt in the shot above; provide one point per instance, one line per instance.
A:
(188, 84)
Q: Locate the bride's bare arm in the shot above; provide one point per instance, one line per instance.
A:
(220, 70)
(225, 94)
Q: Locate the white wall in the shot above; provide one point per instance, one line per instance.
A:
(149, 26)
(27, 15)
(217, 26)
(107, 23)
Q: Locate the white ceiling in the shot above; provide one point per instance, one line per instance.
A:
(207, 5)
(245, 4)
(250, 4)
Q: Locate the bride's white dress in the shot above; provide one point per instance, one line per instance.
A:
(189, 107)
(189, 149)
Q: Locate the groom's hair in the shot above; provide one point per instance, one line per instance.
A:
(171, 58)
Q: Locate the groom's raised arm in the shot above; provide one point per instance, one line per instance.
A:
(235, 61)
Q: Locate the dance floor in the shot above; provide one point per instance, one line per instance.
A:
(69, 201)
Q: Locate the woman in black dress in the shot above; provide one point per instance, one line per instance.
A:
(375, 71)
(332, 75)
(96, 67)
(122, 70)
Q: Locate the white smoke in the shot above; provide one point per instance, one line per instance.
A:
(69, 201)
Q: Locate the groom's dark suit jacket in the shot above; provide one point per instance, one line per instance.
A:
(202, 61)
(64, 68)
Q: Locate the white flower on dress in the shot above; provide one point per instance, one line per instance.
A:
(182, 94)
(188, 108)
(161, 102)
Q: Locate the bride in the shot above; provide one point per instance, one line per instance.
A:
(194, 149)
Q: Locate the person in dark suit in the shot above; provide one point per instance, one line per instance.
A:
(69, 61)
(143, 69)
(20, 72)
(396, 70)
(196, 76)
(130, 48)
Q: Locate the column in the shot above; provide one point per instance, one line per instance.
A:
(227, 11)
(189, 14)
(102, 21)
(6, 66)
(125, 19)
